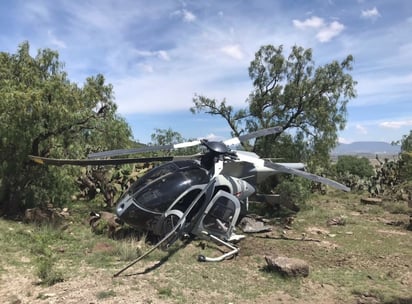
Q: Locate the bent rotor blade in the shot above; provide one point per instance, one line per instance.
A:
(259, 133)
(232, 141)
(143, 150)
(96, 162)
(307, 175)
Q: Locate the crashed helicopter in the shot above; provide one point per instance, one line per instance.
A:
(203, 195)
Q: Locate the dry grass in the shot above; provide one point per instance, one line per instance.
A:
(364, 260)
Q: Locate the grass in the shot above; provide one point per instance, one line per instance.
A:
(370, 258)
(105, 294)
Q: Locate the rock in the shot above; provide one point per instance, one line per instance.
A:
(250, 225)
(291, 267)
(316, 230)
(39, 215)
(336, 221)
(371, 201)
(104, 222)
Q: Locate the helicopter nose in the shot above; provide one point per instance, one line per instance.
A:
(124, 203)
(120, 208)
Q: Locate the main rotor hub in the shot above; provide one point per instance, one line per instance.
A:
(216, 146)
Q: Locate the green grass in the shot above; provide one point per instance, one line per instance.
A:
(105, 294)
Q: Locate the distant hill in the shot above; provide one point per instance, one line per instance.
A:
(366, 147)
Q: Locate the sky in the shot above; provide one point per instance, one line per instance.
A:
(160, 54)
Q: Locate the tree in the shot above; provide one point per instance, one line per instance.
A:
(359, 166)
(309, 102)
(163, 137)
(405, 161)
(406, 142)
(166, 137)
(43, 113)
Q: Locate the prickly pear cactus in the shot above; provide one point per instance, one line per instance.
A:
(109, 183)
(393, 178)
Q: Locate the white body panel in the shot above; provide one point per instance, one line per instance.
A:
(251, 167)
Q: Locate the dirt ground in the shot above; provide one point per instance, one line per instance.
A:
(17, 288)
(334, 268)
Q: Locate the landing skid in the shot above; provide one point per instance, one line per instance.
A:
(233, 252)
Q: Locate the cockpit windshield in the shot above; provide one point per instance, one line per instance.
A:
(159, 188)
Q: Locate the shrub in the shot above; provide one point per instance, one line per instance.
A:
(359, 166)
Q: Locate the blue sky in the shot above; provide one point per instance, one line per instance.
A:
(159, 54)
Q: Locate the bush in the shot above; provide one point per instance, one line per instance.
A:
(293, 192)
(359, 166)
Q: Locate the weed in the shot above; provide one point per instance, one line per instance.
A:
(165, 291)
(130, 249)
(396, 207)
(105, 294)
(45, 259)
(47, 272)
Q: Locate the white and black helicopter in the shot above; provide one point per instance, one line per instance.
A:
(202, 195)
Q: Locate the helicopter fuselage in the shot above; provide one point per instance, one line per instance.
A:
(172, 188)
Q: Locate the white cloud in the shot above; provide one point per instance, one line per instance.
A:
(396, 124)
(233, 51)
(313, 22)
(361, 129)
(55, 41)
(146, 68)
(325, 32)
(342, 140)
(186, 15)
(330, 31)
(213, 137)
(159, 54)
(370, 14)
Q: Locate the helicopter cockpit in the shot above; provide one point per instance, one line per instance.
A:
(155, 192)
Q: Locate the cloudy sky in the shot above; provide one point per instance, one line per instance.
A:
(159, 54)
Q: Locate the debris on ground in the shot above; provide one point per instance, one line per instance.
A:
(250, 225)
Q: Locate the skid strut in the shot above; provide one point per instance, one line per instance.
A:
(234, 250)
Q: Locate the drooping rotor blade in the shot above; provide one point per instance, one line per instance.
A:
(119, 152)
(232, 141)
(102, 162)
(307, 175)
(259, 133)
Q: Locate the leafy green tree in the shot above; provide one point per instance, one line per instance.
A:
(359, 166)
(309, 102)
(166, 137)
(405, 162)
(406, 142)
(43, 113)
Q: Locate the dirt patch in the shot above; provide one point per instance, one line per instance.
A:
(96, 286)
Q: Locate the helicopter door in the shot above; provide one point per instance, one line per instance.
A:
(220, 215)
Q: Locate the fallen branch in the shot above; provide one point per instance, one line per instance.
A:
(284, 237)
